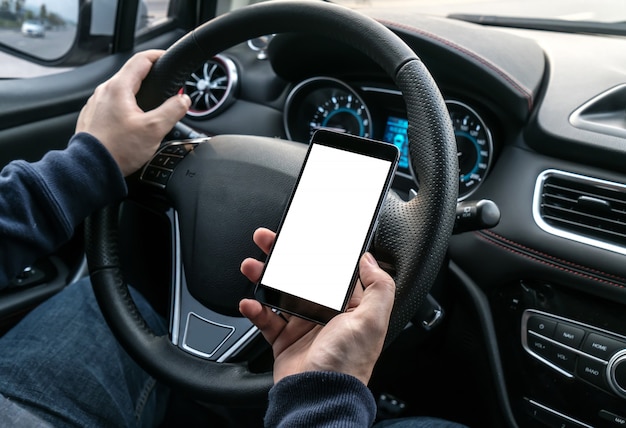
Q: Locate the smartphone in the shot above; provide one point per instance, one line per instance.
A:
(328, 224)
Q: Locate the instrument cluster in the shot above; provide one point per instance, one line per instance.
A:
(379, 113)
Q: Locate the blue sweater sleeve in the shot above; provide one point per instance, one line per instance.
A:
(41, 203)
(320, 399)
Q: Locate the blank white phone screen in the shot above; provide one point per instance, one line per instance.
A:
(324, 231)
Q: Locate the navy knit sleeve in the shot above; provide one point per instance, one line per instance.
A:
(320, 399)
(42, 203)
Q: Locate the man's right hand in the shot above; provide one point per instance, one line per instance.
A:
(114, 118)
(350, 343)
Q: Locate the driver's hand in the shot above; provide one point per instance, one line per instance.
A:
(113, 116)
(350, 343)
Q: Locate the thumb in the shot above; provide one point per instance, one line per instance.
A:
(380, 288)
(170, 112)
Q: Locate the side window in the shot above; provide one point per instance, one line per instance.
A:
(151, 13)
(45, 30)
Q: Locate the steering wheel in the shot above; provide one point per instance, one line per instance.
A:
(221, 190)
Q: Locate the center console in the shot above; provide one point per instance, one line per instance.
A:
(564, 353)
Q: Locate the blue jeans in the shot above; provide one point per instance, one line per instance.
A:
(62, 364)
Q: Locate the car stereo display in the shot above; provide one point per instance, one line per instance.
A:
(396, 133)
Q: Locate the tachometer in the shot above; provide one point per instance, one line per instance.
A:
(475, 146)
(344, 112)
(324, 102)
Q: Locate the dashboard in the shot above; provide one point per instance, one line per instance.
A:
(357, 108)
(511, 95)
(532, 320)
(376, 112)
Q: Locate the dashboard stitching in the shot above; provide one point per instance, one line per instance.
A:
(553, 258)
(548, 263)
(526, 93)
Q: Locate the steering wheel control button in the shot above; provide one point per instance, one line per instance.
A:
(176, 149)
(569, 335)
(166, 161)
(160, 168)
(154, 175)
(601, 346)
(541, 325)
(592, 371)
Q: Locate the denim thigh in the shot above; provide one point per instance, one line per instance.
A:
(63, 364)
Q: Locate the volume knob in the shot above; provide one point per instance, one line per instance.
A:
(616, 373)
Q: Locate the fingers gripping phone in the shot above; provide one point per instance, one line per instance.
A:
(328, 224)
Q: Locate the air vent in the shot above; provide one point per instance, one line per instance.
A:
(582, 208)
(212, 87)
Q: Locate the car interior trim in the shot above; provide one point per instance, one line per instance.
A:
(512, 81)
(239, 345)
(550, 260)
(483, 311)
(229, 330)
(27, 295)
(176, 276)
(567, 419)
(184, 305)
(81, 271)
(603, 113)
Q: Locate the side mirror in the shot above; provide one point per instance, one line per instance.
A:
(60, 33)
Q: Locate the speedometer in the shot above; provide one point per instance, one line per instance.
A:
(474, 146)
(473, 140)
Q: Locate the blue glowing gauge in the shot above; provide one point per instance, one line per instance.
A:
(474, 147)
(343, 111)
(325, 102)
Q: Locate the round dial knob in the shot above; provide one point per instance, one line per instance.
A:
(616, 373)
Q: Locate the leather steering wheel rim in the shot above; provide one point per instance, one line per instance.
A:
(415, 234)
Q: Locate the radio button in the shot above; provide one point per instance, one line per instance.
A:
(563, 358)
(541, 325)
(569, 335)
(539, 345)
(601, 346)
(592, 371)
(616, 420)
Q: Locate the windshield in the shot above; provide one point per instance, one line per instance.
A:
(605, 11)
